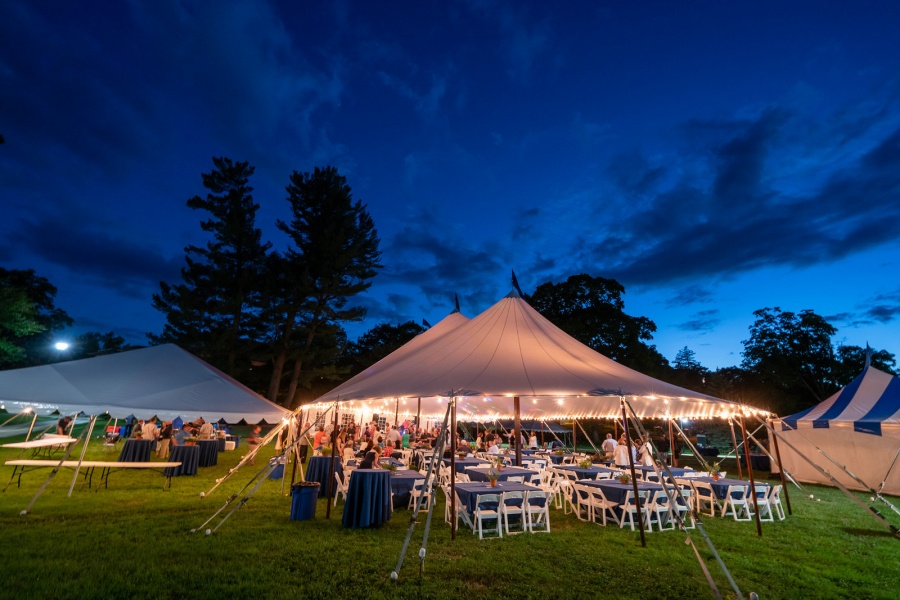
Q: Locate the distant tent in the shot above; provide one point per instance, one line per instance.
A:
(859, 426)
(160, 380)
(178, 423)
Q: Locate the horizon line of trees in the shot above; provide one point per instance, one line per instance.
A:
(274, 320)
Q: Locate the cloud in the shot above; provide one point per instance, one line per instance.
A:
(692, 294)
(703, 321)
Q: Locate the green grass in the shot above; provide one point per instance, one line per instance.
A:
(134, 540)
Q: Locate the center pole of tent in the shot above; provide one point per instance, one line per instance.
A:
(517, 429)
(452, 498)
(634, 485)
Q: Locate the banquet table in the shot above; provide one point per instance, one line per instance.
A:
(588, 473)
(676, 471)
(616, 491)
(221, 446)
(720, 485)
(481, 473)
(392, 461)
(468, 492)
(136, 450)
(209, 452)
(368, 499)
(557, 459)
(318, 471)
(402, 484)
(464, 463)
(188, 456)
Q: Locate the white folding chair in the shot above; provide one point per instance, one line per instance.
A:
(419, 491)
(342, 487)
(737, 503)
(600, 506)
(581, 501)
(704, 498)
(487, 508)
(762, 502)
(684, 505)
(630, 509)
(512, 504)
(663, 513)
(537, 511)
(775, 501)
(516, 479)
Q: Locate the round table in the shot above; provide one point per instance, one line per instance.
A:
(136, 450)
(209, 452)
(368, 499)
(188, 456)
(318, 470)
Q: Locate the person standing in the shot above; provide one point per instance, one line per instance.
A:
(609, 445)
(621, 456)
(62, 426)
(206, 431)
(165, 439)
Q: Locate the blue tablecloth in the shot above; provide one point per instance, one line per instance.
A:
(391, 461)
(589, 473)
(188, 456)
(318, 471)
(469, 492)
(136, 450)
(481, 474)
(557, 459)
(676, 471)
(368, 498)
(221, 442)
(615, 491)
(209, 452)
(720, 486)
(402, 484)
(464, 463)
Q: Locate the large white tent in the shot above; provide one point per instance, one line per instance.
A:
(859, 427)
(160, 380)
(510, 351)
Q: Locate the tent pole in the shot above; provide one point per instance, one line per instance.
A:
(396, 411)
(542, 434)
(674, 460)
(334, 438)
(574, 441)
(634, 485)
(750, 475)
(452, 465)
(87, 441)
(419, 419)
(53, 473)
(588, 438)
(734, 444)
(517, 430)
(31, 427)
(784, 485)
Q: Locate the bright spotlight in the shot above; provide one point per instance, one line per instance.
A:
(61, 346)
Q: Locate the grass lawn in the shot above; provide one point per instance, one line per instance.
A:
(134, 540)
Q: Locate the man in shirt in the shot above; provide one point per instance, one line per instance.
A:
(394, 437)
(609, 445)
(206, 430)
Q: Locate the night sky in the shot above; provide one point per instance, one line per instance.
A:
(714, 157)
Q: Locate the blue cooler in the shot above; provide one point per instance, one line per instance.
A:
(278, 471)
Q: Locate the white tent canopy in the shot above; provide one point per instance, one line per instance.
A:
(160, 380)
(507, 351)
(859, 426)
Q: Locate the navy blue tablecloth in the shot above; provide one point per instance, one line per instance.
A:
(557, 459)
(676, 471)
(188, 456)
(589, 473)
(136, 450)
(464, 463)
(209, 452)
(615, 491)
(368, 499)
(318, 470)
(481, 474)
(221, 442)
(720, 486)
(402, 484)
(469, 492)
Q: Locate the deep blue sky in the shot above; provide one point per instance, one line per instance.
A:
(714, 157)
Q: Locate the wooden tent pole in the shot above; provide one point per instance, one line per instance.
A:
(674, 461)
(418, 419)
(634, 485)
(750, 475)
(737, 454)
(334, 437)
(517, 431)
(784, 485)
(452, 467)
(31, 427)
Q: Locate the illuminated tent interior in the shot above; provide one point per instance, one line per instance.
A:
(509, 351)
(164, 380)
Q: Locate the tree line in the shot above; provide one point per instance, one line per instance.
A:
(274, 320)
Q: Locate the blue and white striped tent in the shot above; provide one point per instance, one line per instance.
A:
(859, 426)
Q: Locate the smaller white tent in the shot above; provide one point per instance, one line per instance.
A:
(859, 427)
(160, 380)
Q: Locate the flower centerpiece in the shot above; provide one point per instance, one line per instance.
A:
(493, 475)
(326, 450)
(190, 440)
(715, 469)
(624, 478)
(586, 464)
(559, 451)
(389, 466)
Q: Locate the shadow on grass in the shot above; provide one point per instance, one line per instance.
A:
(876, 533)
